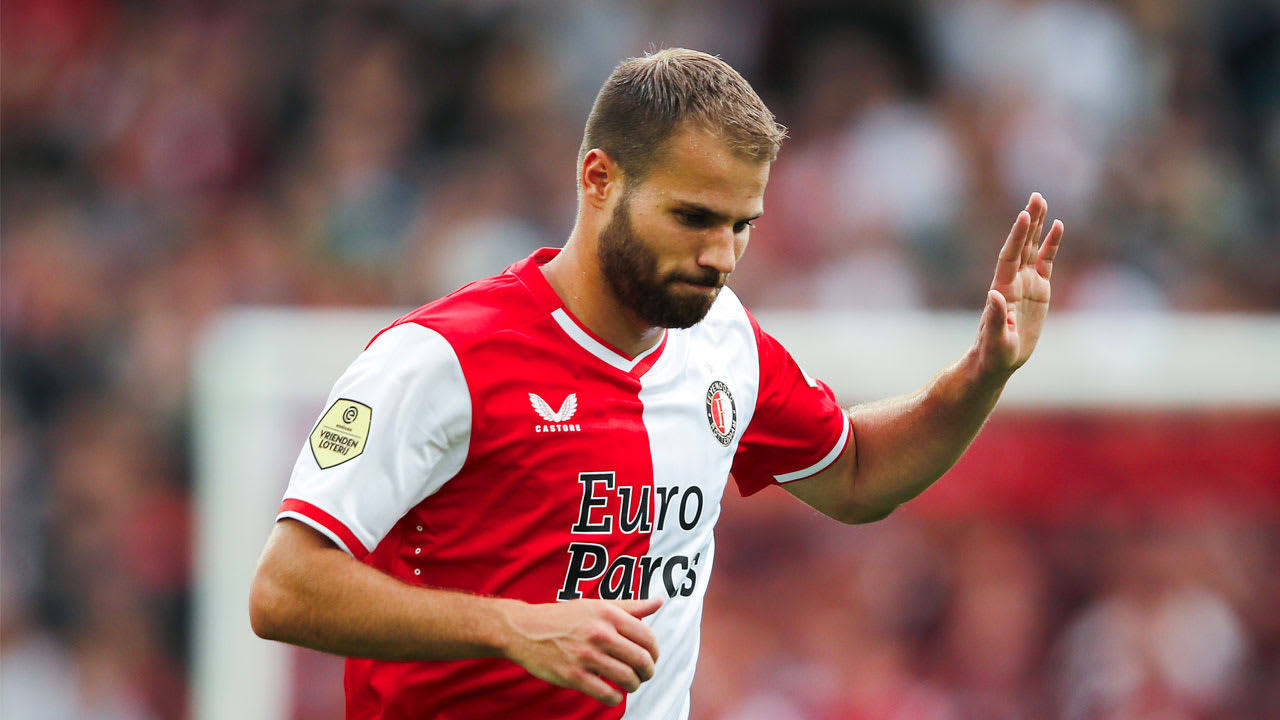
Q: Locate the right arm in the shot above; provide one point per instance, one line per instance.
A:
(309, 592)
(411, 397)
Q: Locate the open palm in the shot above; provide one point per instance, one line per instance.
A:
(1018, 300)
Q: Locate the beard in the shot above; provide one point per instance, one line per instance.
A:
(631, 269)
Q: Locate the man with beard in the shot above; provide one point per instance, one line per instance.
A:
(506, 508)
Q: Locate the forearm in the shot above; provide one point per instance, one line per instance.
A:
(901, 446)
(308, 592)
(317, 596)
(904, 444)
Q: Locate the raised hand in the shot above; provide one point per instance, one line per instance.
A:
(1018, 300)
(580, 644)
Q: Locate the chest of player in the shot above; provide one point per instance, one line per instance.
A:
(578, 414)
(561, 440)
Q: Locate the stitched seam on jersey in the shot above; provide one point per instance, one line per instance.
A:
(449, 441)
(458, 353)
(464, 348)
(418, 425)
(826, 461)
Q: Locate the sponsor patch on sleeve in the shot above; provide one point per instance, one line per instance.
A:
(341, 433)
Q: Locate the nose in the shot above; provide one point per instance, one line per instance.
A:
(720, 252)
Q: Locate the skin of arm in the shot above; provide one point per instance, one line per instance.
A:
(899, 447)
(308, 592)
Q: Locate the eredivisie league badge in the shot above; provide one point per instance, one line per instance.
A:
(722, 414)
(341, 433)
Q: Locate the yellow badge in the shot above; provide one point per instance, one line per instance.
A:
(341, 433)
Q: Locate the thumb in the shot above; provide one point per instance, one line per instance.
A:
(640, 608)
(995, 313)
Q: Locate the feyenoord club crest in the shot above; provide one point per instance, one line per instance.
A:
(722, 414)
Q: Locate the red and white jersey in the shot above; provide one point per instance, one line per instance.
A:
(488, 442)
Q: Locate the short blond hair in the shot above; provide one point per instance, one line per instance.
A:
(646, 99)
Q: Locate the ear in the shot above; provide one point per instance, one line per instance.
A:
(600, 176)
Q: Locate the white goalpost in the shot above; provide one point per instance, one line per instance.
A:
(262, 374)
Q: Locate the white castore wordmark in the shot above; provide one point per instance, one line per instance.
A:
(567, 408)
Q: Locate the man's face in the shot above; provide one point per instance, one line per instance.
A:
(673, 239)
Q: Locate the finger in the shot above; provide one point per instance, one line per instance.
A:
(638, 658)
(994, 314)
(596, 687)
(1049, 250)
(640, 608)
(615, 671)
(1037, 208)
(639, 633)
(1011, 253)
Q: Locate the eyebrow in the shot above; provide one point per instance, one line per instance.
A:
(714, 215)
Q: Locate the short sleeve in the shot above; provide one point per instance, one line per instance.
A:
(797, 430)
(395, 428)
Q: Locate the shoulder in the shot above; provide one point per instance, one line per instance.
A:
(471, 314)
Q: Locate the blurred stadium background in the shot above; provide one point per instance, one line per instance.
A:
(165, 163)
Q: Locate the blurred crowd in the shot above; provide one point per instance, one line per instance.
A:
(163, 161)
(1122, 566)
(967, 619)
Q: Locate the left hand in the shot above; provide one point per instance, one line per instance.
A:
(1018, 300)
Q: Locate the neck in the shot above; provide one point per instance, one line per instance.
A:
(576, 277)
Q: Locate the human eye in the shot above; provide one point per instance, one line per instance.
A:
(693, 218)
(742, 226)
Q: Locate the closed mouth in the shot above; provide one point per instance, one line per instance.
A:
(700, 286)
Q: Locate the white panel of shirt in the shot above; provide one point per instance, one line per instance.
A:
(418, 437)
